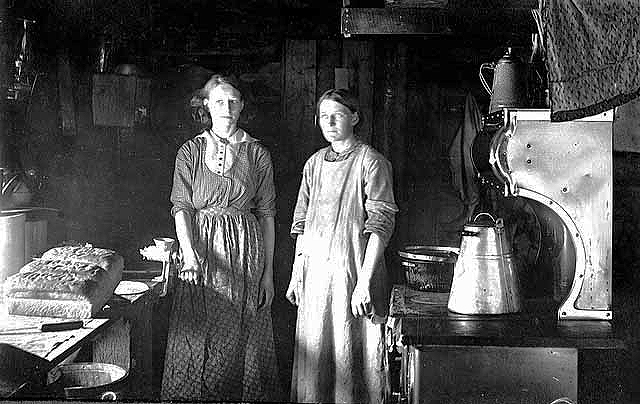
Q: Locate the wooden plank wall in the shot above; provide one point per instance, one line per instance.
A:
(309, 70)
(393, 136)
(359, 58)
(410, 114)
(299, 90)
(376, 75)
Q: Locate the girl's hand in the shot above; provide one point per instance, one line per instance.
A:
(291, 292)
(191, 270)
(361, 300)
(265, 293)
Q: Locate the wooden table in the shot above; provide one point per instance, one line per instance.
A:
(51, 346)
(121, 335)
(524, 356)
(27, 355)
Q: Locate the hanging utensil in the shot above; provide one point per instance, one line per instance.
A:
(509, 86)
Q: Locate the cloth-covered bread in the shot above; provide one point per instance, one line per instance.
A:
(69, 282)
(86, 254)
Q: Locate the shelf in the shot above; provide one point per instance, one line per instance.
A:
(484, 22)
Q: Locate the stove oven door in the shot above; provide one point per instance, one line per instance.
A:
(486, 374)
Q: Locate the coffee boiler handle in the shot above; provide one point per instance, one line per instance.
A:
(485, 84)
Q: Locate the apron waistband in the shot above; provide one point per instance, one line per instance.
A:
(218, 211)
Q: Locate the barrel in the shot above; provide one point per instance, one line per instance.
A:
(89, 381)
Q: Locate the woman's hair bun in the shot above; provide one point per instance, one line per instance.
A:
(199, 112)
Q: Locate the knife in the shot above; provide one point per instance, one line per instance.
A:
(50, 327)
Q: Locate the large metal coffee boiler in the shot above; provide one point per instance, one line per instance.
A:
(567, 168)
(485, 275)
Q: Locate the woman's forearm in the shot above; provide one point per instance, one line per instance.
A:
(268, 227)
(372, 256)
(185, 234)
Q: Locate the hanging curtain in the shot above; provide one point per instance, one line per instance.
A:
(592, 55)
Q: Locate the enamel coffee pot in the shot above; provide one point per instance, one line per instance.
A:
(509, 89)
(485, 275)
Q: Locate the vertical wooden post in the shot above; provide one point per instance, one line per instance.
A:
(113, 346)
(4, 79)
(65, 94)
(395, 128)
(299, 99)
(342, 77)
(328, 56)
(358, 56)
(128, 343)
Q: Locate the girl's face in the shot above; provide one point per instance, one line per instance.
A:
(336, 121)
(225, 104)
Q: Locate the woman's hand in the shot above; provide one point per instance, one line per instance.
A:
(295, 285)
(191, 267)
(361, 300)
(291, 292)
(265, 293)
(361, 304)
(191, 270)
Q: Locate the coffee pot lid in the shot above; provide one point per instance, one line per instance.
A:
(509, 57)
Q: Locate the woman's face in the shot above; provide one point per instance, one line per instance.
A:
(225, 104)
(336, 121)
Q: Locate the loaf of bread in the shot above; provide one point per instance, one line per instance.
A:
(87, 254)
(69, 282)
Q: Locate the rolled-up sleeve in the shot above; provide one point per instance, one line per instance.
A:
(182, 190)
(302, 203)
(265, 198)
(379, 203)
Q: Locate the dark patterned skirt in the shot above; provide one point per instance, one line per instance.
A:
(219, 346)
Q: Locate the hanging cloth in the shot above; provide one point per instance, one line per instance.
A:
(592, 55)
(463, 174)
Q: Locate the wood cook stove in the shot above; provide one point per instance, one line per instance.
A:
(559, 173)
(567, 168)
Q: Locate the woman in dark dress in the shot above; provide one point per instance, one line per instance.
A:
(220, 343)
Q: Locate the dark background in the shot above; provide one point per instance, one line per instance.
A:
(112, 184)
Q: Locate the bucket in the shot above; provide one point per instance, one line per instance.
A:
(89, 381)
(428, 268)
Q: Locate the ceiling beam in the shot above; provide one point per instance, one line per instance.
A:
(373, 21)
(484, 22)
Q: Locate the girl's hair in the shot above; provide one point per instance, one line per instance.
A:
(342, 96)
(199, 112)
(218, 79)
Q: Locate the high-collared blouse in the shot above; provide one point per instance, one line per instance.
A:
(236, 172)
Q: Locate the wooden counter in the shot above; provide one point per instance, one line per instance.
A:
(23, 345)
(121, 335)
(23, 332)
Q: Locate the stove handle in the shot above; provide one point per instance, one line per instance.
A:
(498, 143)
